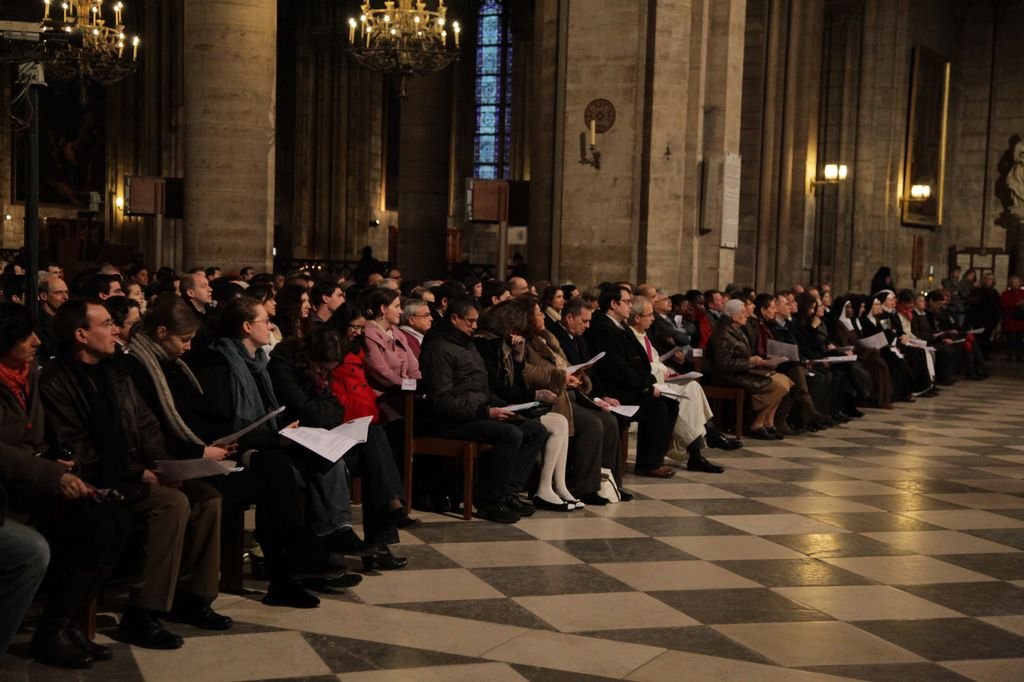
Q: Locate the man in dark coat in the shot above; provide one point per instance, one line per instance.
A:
(625, 374)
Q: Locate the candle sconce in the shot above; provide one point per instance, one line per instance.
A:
(599, 117)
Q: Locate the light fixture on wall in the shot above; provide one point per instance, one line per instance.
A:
(404, 40)
(920, 192)
(831, 174)
(81, 44)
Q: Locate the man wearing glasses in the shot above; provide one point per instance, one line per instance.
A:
(625, 374)
(460, 405)
(416, 322)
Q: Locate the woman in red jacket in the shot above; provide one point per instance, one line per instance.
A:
(1012, 305)
(348, 380)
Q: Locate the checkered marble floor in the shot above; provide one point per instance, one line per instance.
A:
(891, 548)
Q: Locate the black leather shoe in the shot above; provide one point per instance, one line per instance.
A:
(518, 506)
(400, 518)
(498, 513)
(345, 541)
(624, 495)
(287, 592)
(98, 652)
(145, 630)
(761, 434)
(385, 561)
(57, 647)
(774, 433)
(855, 413)
(722, 443)
(544, 505)
(594, 499)
(194, 611)
(698, 463)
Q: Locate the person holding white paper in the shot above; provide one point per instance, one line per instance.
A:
(693, 428)
(189, 422)
(299, 370)
(237, 385)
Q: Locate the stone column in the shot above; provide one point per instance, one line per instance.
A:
(230, 97)
(423, 176)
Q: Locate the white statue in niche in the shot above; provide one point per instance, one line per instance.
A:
(1010, 185)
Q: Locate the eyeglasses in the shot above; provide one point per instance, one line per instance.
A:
(421, 315)
(471, 321)
(264, 320)
(359, 328)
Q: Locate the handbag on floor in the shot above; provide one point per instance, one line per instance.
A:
(609, 489)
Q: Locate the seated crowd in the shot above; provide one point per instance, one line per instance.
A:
(121, 372)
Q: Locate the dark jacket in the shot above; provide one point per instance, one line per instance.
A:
(454, 379)
(624, 372)
(192, 405)
(727, 360)
(214, 374)
(69, 419)
(21, 438)
(665, 335)
(44, 330)
(304, 401)
(576, 349)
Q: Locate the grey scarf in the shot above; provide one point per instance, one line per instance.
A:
(248, 375)
(150, 355)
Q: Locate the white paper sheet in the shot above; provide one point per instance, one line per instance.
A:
(837, 359)
(626, 411)
(678, 378)
(334, 444)
(772, 363)
(238, 434)
(672, 351)
(785, 350)
(519, 407)
(878, 341)
(672, 390)
(979, 330)
(572, 369)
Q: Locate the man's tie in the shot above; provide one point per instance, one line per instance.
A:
(650, 351)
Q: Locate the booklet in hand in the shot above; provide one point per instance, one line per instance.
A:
(572, 369)
(877, 341)
(677, 378)
(788, 351)
(519, 407)
(188, 469)
(773, 362)
(233, 438)
(334, 444)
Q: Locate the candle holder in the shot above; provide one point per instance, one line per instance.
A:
(594, 158)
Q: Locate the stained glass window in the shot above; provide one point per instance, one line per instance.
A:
(492, 140)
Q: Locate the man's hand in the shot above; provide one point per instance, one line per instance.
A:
(499, 414)
(679, 356)
(655, 391)
(573, 381)
(612, 401)
(149, 476)
(756, 361)
(73, 488)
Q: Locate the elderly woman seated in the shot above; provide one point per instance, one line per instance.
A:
(730, 362)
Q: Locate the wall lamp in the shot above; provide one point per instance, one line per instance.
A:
(832, 174)
(594, 159)
(920, 192)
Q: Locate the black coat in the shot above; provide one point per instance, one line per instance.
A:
(454, 379)
(727, 360)
(504, 374)
(624, 372)
(576, 348)
(296, 390)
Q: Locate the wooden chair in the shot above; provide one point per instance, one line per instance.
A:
(466, 450)
(718, 395)
(232, 548)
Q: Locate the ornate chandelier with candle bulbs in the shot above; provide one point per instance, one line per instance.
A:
(82, 44)
(404, 39)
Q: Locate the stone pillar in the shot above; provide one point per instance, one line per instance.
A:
(423, 177)
(229, 80)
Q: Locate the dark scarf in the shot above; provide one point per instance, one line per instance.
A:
(105, 426)
(250, 383)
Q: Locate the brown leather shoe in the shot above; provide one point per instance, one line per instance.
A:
(660, 472)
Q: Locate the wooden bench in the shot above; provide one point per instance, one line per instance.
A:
(466, 450)
(718, 395)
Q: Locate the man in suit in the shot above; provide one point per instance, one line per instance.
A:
(625, 374)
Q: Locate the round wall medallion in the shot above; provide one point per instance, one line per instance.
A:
(602, 111)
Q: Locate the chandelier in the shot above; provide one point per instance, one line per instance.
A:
(80, 44)
(404, 40)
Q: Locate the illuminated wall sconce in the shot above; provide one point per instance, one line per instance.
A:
(920, 192)
(119, 203)
(832, 174)
(7, 217)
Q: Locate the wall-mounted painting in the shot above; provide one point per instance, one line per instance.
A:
(924, 164)
(72, 145)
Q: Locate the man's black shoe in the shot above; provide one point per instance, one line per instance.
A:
(98, 652)
(345, 541)
(855, 413)
(698, 463)
(287, 592)
(194, 611)
(57, 647)
(594, 499)
(721, 442)
(623, 495)
(499, 513)
(518, 506)
(145, 630)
